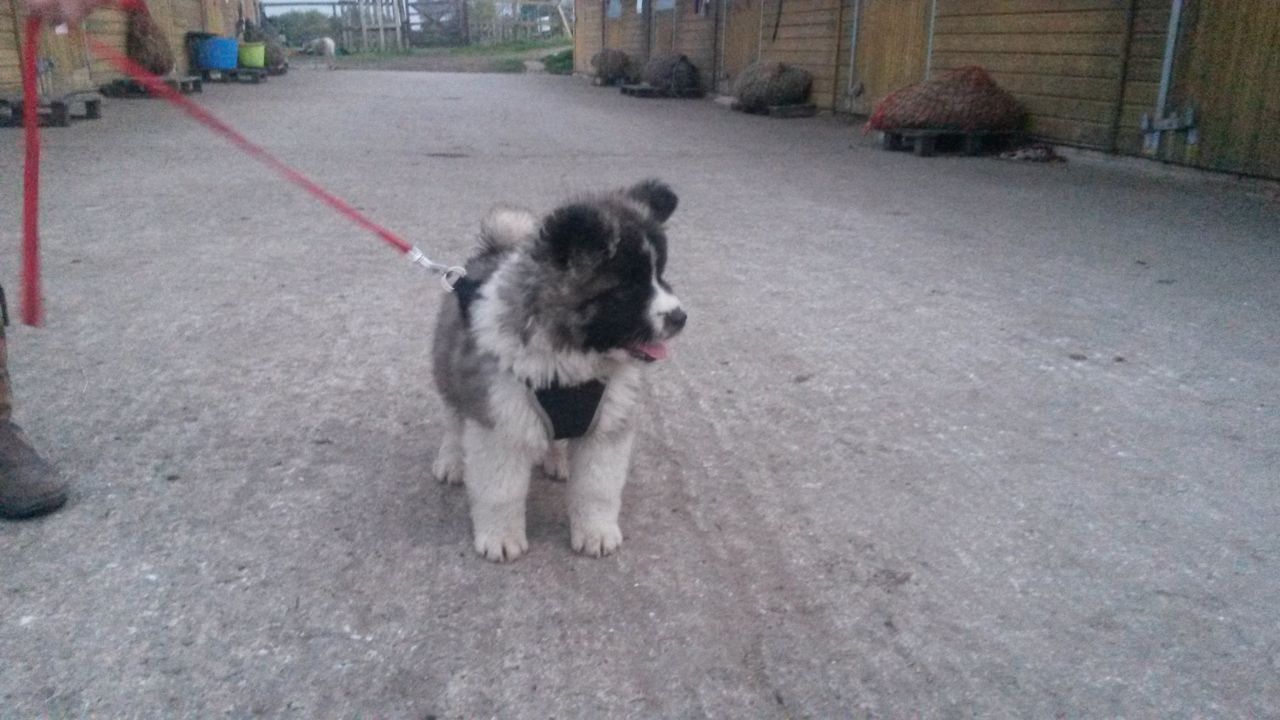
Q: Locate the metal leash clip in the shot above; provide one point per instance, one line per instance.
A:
(449, 275)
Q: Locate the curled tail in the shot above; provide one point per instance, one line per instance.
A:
(507, 227)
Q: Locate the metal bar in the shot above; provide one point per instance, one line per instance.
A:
(1126, 42)
(835, 63)
(716, 48)
(675, 26)
(928, 53)
(1151, 140)
(648, 28)
(1170, 47)
(722, 30)
(564, 21)
(853, 47)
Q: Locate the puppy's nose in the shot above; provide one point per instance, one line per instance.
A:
(676, 319)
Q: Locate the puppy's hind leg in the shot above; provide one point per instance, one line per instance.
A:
(597, 471)
(498, 471)
(448, 465)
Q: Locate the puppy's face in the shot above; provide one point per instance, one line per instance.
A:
(609, 256)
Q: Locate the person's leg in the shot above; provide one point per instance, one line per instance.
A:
(29, 486)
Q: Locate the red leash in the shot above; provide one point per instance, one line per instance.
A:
(31, 310)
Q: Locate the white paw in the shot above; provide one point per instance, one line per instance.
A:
(596, 539)
(447, 468)
(501, 548)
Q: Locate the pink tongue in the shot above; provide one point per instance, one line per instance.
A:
(653, 351)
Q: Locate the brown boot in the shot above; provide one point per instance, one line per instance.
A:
(29, 486)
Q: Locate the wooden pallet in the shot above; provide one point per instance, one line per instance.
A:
(130, 88)
(249, 75)
(52, 113)
(88, 103)
(645, 90)
(792, 111)
(779, 111)
(926, 141)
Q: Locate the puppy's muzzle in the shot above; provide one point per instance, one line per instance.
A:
(673, 322)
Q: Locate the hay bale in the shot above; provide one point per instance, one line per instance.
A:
(964, 100)
(672, 74)
(765, 84)
(277, 57)
(612, 67)
(145, 44)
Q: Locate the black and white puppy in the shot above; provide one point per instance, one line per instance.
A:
(547, 342)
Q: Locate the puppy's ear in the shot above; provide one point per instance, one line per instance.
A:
(657, 196)
(574, 231)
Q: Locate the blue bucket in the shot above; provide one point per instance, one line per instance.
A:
(218, 53)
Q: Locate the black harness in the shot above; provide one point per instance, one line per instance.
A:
(569, 410)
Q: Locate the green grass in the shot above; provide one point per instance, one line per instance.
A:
(515, 46)
(508, 65)
(560, 63)
(507, 48)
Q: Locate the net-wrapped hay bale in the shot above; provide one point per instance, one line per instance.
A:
(765, 84)
(146, 44)
(672, 74)
(612, 66)
(963, 100)
(277, 57)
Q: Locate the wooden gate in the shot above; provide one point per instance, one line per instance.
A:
(891, 50)
(1228, 72)
(613, 24)
(625, 28)
(740, 45)
(662, 28)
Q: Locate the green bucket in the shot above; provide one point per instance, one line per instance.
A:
(253, 55)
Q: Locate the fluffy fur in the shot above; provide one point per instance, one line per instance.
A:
(572, 297)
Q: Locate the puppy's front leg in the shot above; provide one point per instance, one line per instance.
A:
(497, 482)
(450, 461)
(598, 470)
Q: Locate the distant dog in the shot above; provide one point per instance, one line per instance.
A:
(547, 340)
(322, 47)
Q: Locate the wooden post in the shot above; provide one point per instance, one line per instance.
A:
(568, 30)
(364, 27)
(648, 29)
(395, 12)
